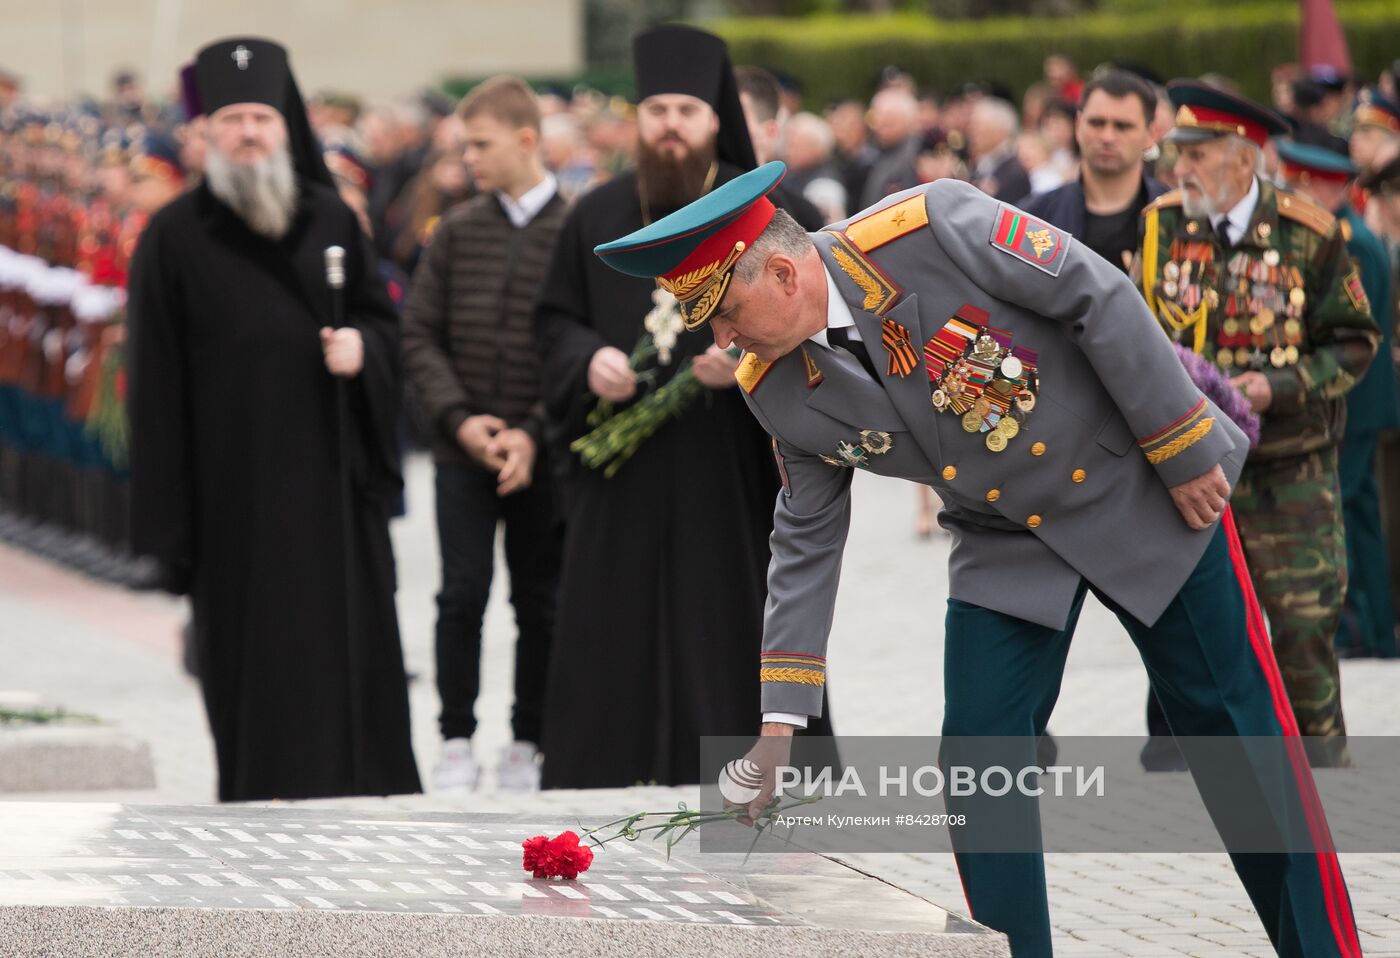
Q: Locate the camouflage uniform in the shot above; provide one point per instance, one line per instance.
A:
(1286, 301)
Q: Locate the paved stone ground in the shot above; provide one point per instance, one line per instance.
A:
(94, 648)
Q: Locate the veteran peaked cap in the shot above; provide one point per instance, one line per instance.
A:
(1304, 161)
(1204, 112)
(691, 253)
(1373, 109)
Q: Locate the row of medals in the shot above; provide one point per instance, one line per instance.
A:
(1263, 324)
(978, 413)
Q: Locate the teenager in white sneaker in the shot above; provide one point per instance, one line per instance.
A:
(469, 350)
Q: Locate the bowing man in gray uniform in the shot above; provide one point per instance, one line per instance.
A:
(949, 339)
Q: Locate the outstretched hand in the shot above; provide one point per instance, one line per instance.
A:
(773, 748)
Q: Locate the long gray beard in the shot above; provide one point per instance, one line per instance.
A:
(263, 194)
(1197, 208)
(1200, 207)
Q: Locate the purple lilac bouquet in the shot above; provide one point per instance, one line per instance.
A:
(1218, 389)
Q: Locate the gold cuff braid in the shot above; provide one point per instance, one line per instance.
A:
(799, 676)
(1182, 442)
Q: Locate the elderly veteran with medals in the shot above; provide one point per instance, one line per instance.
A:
(1258, 279)
(952, 340)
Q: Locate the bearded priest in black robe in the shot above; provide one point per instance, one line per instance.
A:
(237, 455)
(664, 577)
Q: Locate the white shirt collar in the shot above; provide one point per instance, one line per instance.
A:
(1242, 212)
(523, 210)
(838, 314)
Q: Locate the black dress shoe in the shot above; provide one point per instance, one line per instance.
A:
(1162, 754)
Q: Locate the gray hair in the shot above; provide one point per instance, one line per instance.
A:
(1239, 143)
(813, 126)
(1000, 112)
(898, 100)
(783, 234)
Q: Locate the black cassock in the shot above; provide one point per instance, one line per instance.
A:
(236, 489)
(664, 578)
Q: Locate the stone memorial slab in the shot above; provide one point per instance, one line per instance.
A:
(62, 758)
(119, 880)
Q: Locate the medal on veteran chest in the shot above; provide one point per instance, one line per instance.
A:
(1262, 325)
(977, 373)
(847, 455)
(873, 442)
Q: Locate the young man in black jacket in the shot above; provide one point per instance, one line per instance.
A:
(1113, 129)
(469, 349)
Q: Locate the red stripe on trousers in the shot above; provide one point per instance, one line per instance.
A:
(1333, 886)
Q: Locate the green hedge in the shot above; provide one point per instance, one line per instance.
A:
(841, 55)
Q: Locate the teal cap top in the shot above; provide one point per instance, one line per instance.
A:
(691, 253)
(660, 247)
(1317, 159)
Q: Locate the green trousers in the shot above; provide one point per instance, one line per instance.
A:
(1367, 628)
(1289, 514)
(1213, 674)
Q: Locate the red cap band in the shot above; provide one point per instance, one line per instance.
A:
(1305, 173)
(1200, 117)
(745, 228)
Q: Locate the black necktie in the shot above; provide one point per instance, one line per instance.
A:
(1222, 233)
(841, 336)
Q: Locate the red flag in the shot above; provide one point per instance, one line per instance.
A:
(1320, 38)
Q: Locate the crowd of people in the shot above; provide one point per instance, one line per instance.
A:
(125, 235)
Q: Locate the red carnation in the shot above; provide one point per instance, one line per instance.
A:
(560, 857)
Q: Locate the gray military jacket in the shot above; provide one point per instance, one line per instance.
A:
(1081, 491)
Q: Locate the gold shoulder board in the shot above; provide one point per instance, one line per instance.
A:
(880, 227)
(750, 372)
(1299, 208)
(1171, 198)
